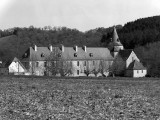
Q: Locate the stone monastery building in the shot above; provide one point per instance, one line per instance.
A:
(83, 61)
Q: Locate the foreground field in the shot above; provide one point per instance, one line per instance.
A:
(79, 99)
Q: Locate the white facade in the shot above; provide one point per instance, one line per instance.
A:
(136, 73)
(77, 68)
(139, 73)
(16, 68)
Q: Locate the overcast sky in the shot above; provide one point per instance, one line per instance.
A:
(80, 14)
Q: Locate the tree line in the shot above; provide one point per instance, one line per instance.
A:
(141, 35)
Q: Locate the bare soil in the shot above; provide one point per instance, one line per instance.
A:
(42, 98)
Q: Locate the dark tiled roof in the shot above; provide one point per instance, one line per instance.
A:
(124, 54)
(135, 65)
(115, 38)
(68, 53)
(114, 35)
(41, 54)
(90, 54)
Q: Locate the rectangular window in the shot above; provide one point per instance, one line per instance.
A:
(77, 72)
(52, 64)
(142, 71)
(36, 64)
(84, 63)
(93, 62)
(137, 71)
(77, 63)
(45, 64)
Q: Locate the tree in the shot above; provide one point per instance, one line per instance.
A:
(56, 64)
(117, 68)
(89, 69)
(104, 67)
(65, 68)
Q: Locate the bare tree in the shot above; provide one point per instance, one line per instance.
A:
(96, 68)
(65, 68)
(89, 69)
(52, 62)
(56, 64)
(102, 67)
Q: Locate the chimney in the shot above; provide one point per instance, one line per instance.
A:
(35, 47)
(50, 48)
(62, 48)
(75, 48)
(84, 48)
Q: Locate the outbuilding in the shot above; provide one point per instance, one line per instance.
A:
(16, 67)
(136, 69)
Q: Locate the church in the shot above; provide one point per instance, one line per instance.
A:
(83, 61)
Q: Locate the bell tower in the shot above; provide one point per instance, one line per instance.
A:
(115, 44)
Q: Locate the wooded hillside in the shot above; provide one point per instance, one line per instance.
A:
(142, 35)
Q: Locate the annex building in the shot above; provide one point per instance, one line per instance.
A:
(83, 61)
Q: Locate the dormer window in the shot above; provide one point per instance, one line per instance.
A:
(42, 55)
(75, 54)
(59, 55)
(91, 54)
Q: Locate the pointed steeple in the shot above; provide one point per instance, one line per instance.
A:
(115, 45)
(115, 37)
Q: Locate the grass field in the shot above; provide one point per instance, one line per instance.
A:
(41, 98)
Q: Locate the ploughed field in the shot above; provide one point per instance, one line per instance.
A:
(41, 98)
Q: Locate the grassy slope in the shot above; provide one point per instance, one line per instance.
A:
(8, 47)
(46, 98)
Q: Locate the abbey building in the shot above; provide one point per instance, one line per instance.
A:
(83, 61)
